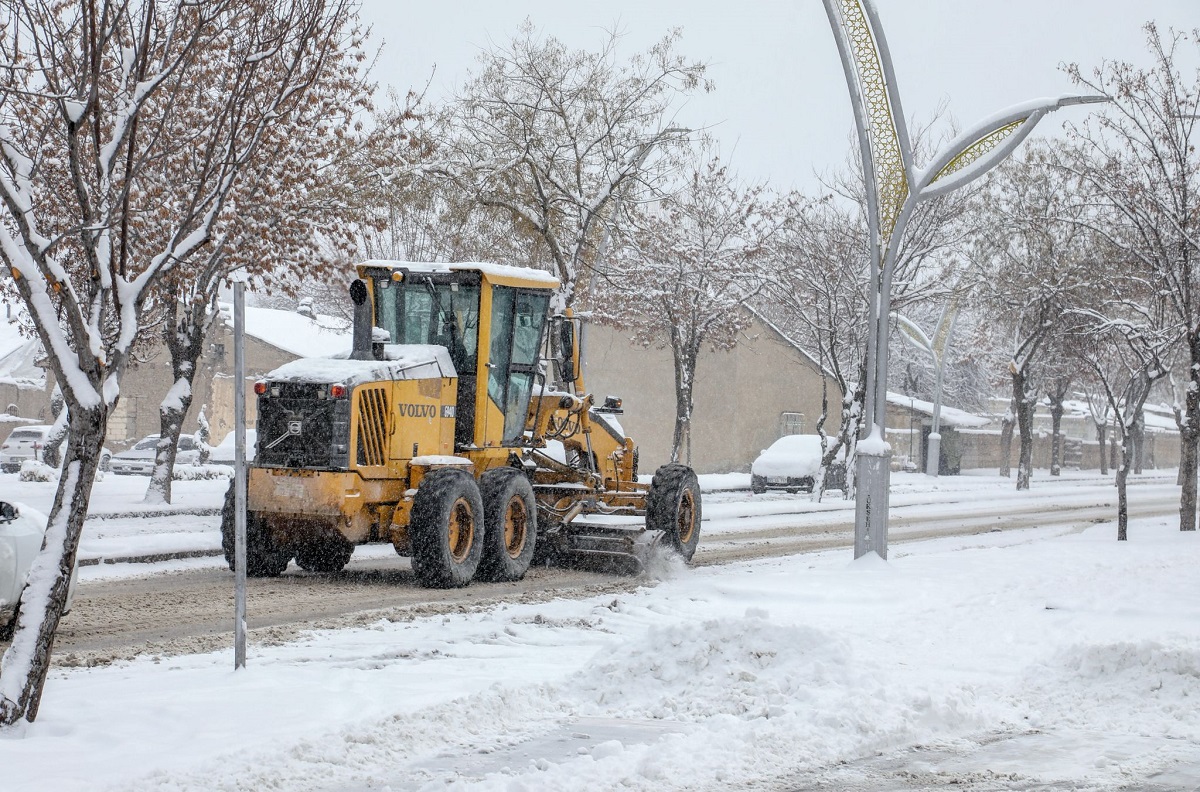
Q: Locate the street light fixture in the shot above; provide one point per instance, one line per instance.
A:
(895, 187)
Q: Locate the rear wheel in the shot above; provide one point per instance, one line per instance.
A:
(446, 529)
(263, 557)
(510, 525)
(673, 507)
(324, 555)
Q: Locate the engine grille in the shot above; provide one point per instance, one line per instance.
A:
(373, 412)
(297, 430)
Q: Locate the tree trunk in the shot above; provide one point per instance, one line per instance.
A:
(1122, 496)
(1025, 405)
(1006, 438)
(1102, 437)
(1137, 436)
(685, 354)
(171, 414)
(183, 334)
(1189, 434)
(1056, 439)
(27, 660)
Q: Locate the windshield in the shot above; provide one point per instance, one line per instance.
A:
(421, 311)
(146, 444)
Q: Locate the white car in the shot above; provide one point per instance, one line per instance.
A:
(29, 442)
(223, 453)
(21, 533)
(792, 462)
(140, 458)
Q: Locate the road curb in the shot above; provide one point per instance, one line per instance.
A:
(197, 511)
(151, 558)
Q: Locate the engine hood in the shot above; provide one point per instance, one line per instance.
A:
(401, 362)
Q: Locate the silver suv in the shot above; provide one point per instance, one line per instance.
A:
(29, 442)
(140, 458)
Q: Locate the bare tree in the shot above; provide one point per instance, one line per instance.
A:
(1058, 379)
(1031, 268)
(1099, 411)
(89, 228)
(1126, 347)
(1138, 159)
(550, 136)
(291, 220)
(817, 294)
(684, 268)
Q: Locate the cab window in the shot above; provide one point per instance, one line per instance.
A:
(421, 311)
(518, 318)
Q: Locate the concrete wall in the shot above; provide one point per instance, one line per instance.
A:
(741, 395)
(981, 449)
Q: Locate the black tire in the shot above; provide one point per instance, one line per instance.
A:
(673, 507)
(446, 529)
(758, 484)
(324, 555)
(510, 525)
(9, 625)
(263, 557)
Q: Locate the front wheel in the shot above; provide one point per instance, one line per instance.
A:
(510, 525)
(446, 529)
(673, 507)
(758, 484)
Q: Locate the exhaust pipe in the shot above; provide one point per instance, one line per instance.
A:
(362, 322)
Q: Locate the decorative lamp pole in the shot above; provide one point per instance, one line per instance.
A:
(894, 188)
(936, 349)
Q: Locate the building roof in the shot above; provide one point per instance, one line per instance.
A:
(19, 353)
(295, 333)
(950, 416)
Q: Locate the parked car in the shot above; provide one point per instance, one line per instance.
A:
(140, 458)
(792, 462)
(223, 452)
(29, 442)
(21, 532)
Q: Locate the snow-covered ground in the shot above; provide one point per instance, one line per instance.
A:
(1049, 658)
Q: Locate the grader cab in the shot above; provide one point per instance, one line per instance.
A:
(458, 430)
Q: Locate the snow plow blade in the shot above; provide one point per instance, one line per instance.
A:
(623, 549)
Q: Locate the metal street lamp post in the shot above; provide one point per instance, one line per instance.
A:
(894, 189)
(936, 349)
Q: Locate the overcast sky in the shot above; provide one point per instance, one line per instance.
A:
(781, 107)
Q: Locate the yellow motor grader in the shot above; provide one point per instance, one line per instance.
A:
(458, 429)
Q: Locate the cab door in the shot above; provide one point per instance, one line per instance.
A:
(518, 319)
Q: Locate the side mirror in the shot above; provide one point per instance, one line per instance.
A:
(8, 512)
(568, 349)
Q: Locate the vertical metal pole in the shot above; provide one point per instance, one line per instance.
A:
(239, 474)
(933, 458)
